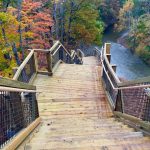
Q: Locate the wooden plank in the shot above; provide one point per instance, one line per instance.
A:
(21, 67)
(15, 84)
(107, 47)
(22, 135)
(136, 121)
(49, 63)
(76, 114)
(133, 82)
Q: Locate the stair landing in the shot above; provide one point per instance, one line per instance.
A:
(76, 115)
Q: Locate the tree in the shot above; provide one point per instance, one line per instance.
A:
(8, 34)
(126, 16)
(39, 22)
(142, 36)
(85, 26)
(109, 11)
(24, 24)
(80, 22)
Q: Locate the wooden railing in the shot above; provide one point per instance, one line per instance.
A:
(18, 103)
(45, 61)
(27, 69)
(18, 109)
(129, 99)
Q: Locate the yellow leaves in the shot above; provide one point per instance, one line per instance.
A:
(128, 5)
(2, 57)
(88, 35)
(8, 20)
(125, 17)
(28, 34)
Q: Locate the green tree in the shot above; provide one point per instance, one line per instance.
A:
(85, 26)
(80, 22)
(142, 36)
(109, 11)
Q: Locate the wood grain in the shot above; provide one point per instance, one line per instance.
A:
(76, 115)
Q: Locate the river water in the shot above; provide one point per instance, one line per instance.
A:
(129, 65)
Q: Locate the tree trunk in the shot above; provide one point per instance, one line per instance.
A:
(14, 49)
(62, 22)
(70, 21)
(55, 19)
(19, 5)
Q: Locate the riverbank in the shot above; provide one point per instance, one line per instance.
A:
(129, 65)
(123, 39)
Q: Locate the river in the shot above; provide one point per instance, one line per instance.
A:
(129, 65)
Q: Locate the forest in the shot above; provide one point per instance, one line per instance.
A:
(28, 24)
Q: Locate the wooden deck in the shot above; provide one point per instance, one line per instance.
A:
(76, 115)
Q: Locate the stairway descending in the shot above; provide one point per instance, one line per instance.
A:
(76, 115)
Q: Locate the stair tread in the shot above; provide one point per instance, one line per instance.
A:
(76, 114)
(100, 143)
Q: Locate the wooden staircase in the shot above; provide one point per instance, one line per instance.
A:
(76, 115)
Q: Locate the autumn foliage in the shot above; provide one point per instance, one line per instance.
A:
(38, 23)
(23, 25)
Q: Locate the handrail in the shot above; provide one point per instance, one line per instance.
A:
(53, 49)
(54, 46)
(125, 83)
(18, 107)
(128, 97)
(39, 50)
(21, 67)
(28, 70)
(4, 82)
(8, 89)
(19, 98)
(137, 81)
(123, 87)
(56, 50)
(109, 66)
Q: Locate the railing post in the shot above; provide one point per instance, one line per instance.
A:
(114, 67)
(49, 63)
(119, 102)
(107, 46)
(32, 65)
(35, 61)
(61, 54)
(109, 57)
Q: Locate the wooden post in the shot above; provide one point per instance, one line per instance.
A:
(49, 63)
(32, 65)
(114, 67)
(36, 61)
(119, 102)
(109, 57)
(107, 46)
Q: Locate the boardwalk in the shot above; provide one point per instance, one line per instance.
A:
(76, 115)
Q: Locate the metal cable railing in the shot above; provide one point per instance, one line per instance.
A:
(18, 103)
(131, 98)
(47, 59)
(18, 109)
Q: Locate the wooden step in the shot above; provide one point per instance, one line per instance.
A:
(76, 114)
(115, 136)
(88, 143)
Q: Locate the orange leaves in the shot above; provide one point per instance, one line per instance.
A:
(38, 21)
(35, 24)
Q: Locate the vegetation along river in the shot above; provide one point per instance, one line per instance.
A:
(129, 65)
